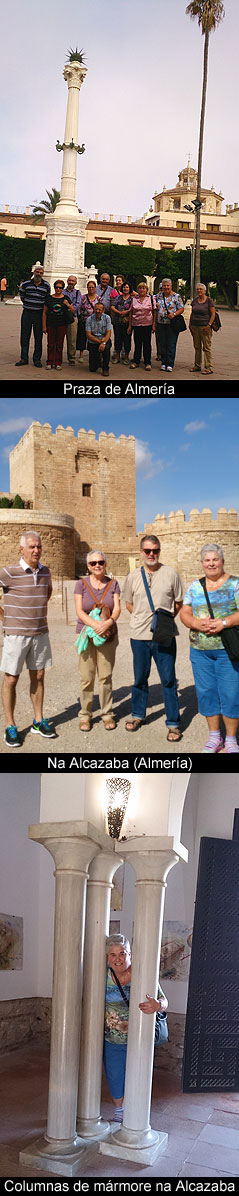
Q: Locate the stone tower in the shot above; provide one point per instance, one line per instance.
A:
(91, 480)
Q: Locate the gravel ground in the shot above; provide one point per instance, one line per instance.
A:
(224, 349)
(62, 699)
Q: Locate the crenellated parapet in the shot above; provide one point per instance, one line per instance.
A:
(182, 539)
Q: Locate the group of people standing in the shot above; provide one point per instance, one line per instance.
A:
(153, 595)
(88, 321)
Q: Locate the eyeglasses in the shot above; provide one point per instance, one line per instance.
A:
(151, 551)
(96, 563)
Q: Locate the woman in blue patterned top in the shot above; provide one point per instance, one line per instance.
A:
(216, 676)
(169, 304)
(116, 1016)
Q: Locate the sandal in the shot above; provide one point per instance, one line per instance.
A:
(132, 724)
(174, 734)
(84, 724)
(109, 723)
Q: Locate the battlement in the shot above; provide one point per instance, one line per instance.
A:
(176, 520)
(43, 433)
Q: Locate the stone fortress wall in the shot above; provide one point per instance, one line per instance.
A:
(181, 540)
(92, 480)
(57, 535)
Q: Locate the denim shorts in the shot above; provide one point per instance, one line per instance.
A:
(217, 681)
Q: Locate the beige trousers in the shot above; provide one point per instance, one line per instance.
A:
(101, 661)
(71, 335)
(202, 339)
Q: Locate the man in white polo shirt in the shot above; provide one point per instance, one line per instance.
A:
(27, 587)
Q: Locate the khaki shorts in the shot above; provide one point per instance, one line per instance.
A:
(35, 650)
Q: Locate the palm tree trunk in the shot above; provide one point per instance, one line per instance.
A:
(200, 151)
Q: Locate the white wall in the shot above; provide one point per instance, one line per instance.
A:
(19, 876)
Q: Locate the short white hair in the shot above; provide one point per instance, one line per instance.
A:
(92, 553)
(212, 548)
(118, 940)
(25, 536)
(202, 285)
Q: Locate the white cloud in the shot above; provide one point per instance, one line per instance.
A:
(15, 425)
(144, 460)
(5, 452)
(195, 426)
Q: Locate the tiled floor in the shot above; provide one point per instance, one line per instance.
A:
(203, 1130)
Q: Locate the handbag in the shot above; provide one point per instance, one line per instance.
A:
(161, 1024)
(216, 322)
(106, 613)
(178, 321)
(70, 316)
(162, 626)
(229, 635)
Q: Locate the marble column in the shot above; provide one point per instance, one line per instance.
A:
(72, 845)
(90, 1124)
(152, 858)
(65, 240)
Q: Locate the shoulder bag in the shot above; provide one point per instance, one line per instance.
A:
(229, 635)
(161, 1025)
(105, 610)
(162, 625)
(178, 322)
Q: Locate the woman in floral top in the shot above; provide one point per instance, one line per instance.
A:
(169, 304)
(87, 307)
(216, 676)
(116, 1016)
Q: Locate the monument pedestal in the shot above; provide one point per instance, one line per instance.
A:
(65, 247)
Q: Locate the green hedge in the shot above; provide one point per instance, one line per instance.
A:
(217, 265)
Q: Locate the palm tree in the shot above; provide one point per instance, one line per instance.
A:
(47, 205)
(209, 14)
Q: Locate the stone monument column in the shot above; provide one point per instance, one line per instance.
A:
(72, 845)
(152, 858)
(90, 1124)
(65, 240)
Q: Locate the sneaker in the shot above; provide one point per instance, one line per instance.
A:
(148, 367)
(58, 367)
(11, 737)
(48, 367)
(163, 367)
(21, 362)
(169, 369)
(133, 365)
(43, 728)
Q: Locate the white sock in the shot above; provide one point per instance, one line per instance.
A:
(231, 743)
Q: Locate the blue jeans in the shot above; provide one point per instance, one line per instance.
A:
(217, 682)
(143, 653)
(166, 342)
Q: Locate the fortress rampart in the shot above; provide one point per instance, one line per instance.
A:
(182, 539)
(57, 534)
(92, 480)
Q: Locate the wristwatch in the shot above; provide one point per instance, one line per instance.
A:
(224, 622)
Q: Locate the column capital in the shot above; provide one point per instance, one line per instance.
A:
(152, 857)
(103, 867)
(72, 844)
(74, 73)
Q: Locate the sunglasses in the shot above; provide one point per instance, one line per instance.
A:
(97, 563)
(151, 551)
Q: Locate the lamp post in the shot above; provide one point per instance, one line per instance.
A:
(193, 207)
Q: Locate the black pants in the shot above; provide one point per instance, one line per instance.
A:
(142, 340)
(122, 337)
(31, 319)
(96, 358)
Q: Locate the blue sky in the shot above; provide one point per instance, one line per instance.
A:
(139, 104)
(187, 450)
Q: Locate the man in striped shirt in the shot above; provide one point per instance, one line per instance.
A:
(27, 588)
(33, 294)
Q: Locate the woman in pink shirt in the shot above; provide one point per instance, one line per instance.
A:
(142, 319)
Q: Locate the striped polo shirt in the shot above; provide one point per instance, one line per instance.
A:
(33, 297)
(26, 593)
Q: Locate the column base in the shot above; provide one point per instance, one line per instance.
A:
(54, 1157)
(137, 1147)
(92, 1128)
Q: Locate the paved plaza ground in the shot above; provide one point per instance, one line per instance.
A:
(225, 355)
(63, 704)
